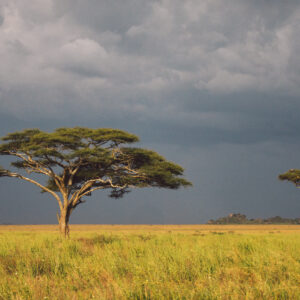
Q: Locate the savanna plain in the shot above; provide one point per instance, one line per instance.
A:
(150, 262)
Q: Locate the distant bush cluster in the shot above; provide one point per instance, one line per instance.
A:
(242, 219)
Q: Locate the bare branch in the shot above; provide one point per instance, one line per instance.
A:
(74, 172)
(79, 201)
(85, 189)
(36, 167)
(90, 191)
(13, 174)
(54, 161)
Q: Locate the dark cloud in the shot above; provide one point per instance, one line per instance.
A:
(211, 85)
(103, 52)
(117, 16)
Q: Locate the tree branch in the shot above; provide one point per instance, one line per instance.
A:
(13, 174)
(36, 167)
(85, 189)
(90, 191)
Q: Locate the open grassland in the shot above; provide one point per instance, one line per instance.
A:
(150, 262)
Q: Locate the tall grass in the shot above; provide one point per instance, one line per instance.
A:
(149, 265)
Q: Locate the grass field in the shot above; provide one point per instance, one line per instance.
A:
(150, 262)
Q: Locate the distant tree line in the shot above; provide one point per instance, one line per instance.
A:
(242, 219)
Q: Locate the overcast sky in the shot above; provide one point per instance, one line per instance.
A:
(213, 85)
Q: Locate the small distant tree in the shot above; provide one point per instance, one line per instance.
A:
(292, 175)
(78, 161)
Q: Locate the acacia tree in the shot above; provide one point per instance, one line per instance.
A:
(78, 161)
(292, 175)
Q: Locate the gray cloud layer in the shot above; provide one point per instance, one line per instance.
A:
(187, 76)
(130, 56)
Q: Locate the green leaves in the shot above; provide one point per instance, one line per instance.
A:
(155, 170)
(78, 160)
(63, 140)
(292, 175)
(97, 136)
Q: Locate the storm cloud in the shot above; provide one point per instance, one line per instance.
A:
(204, 82)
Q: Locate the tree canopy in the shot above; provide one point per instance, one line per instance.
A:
(78, 161)
(292, 175)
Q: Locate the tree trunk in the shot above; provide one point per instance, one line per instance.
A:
(64, 222)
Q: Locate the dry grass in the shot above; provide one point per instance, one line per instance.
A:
(189, 229)
(150, 262)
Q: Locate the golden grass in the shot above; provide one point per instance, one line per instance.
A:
(158, 228)
(150, 262)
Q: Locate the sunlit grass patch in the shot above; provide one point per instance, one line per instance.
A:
(145, 264)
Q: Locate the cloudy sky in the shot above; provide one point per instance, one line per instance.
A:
(213, 85)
